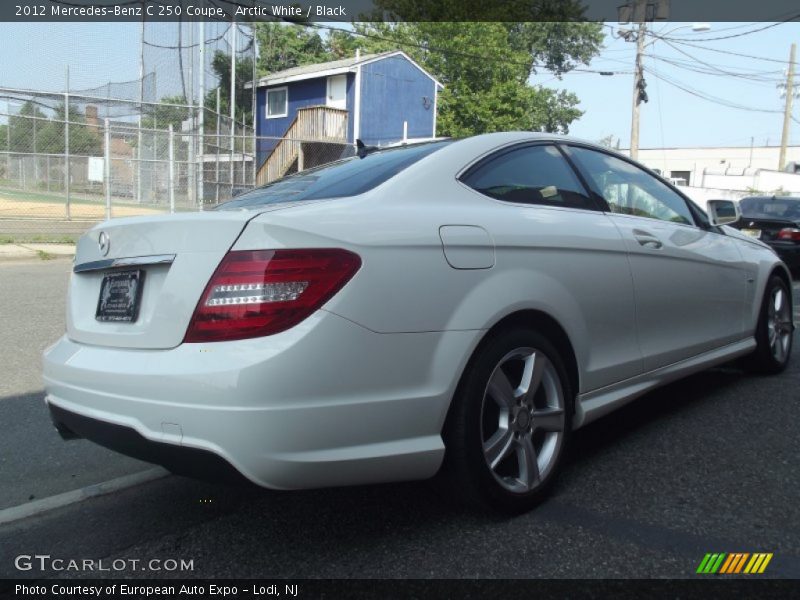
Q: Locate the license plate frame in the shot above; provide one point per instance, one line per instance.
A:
(120, 296)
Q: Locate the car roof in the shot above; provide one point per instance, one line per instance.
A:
(486, 142)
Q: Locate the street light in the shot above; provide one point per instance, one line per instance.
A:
(639, 84)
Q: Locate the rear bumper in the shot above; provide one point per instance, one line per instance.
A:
(326, 403)
(181, 460)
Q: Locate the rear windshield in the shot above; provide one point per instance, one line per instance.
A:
(770, 208)
(347, 177)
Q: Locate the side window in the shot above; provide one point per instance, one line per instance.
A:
(628, 189)
(530, 175)
(277, 102)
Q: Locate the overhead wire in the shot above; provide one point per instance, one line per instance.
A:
(732, 53)
(736, 35)
(705, 96)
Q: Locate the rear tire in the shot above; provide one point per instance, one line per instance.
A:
(509, 425)
(774, 331)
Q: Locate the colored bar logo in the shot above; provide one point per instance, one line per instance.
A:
(734, 563)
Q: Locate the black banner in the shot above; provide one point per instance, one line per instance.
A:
(240, 589)
(346, 11)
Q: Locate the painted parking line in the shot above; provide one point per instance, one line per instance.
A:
(37, 507)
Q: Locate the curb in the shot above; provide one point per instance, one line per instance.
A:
(37, 507)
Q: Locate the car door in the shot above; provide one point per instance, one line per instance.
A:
(564, 253)
(689, 278)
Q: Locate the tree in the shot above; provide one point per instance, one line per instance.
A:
(286, 46)
(485, 68)
(607, 141)
(30, 130)
(84, 139)
(171, 110)
(221, 65)
(21, 136)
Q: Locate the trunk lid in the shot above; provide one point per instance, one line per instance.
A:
(175, 256)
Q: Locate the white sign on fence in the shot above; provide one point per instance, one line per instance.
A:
(96, 169)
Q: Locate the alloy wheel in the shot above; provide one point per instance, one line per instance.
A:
(522, 420)
(779, 324)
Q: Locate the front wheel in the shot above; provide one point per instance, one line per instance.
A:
(774, 331)
(509, 425)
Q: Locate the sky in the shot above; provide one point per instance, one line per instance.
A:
(35, 56)
(673, 117)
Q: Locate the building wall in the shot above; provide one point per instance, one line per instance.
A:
(720, 161)
(310, 92)
(392, 91)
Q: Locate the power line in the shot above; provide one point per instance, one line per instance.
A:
(735, 35)
(695, 59)
(751, 77)
(708, 97)
(731, 53)
(711, 69)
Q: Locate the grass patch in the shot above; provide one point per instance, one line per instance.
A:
(45, 255)
(39, 238)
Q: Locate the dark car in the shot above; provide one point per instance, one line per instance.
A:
(775, 220)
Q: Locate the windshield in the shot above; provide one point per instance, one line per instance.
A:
(347, 177)
(770, 208)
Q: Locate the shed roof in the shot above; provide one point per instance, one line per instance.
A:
(334, 67)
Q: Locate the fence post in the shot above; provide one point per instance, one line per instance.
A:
(66, 147)
(107, 167)
(35, 161)
(218, 138)
(171, 169)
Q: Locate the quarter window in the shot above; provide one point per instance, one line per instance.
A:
(628, 189)
(277, 103)
(530, 175)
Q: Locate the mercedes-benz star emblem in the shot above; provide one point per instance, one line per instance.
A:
(104, 243)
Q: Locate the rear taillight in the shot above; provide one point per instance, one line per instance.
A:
(254, 293)
(789, 233)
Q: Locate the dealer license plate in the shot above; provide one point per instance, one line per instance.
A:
(120, 296)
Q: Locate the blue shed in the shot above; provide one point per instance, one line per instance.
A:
(306, 115)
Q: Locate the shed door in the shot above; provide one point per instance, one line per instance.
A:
(337, 91)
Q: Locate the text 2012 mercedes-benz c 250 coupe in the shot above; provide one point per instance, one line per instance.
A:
(468, 302)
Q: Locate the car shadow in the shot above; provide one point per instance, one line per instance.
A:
(654, 406)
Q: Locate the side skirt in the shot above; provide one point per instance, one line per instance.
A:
(597, 403)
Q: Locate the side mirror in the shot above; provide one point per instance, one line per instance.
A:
(723, 212)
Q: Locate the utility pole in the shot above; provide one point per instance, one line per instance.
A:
(67, 176)
(232, 100)
(638, 83)
(787, 111)
(201, 125)
(639, 12)
(139, 137)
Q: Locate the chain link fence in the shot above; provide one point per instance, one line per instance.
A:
(63, 169)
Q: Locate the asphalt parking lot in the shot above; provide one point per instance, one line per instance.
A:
(708, 464)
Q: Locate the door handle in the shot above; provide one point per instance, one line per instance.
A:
(648, 241)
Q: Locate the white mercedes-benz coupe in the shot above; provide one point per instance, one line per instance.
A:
(457, 306)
